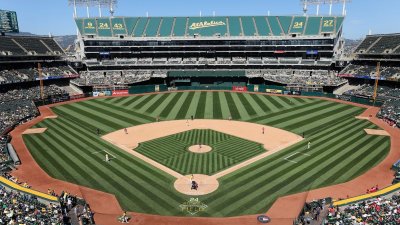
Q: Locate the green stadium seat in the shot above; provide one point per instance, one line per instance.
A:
(274, 24)
(234, 26)
(298, 24)
(262, 26)
(180, 27)
(118, 26)
(328, 25)
(166, 27)
(285, 22)
(140, 27)
(79, 24)
(313, 25)
(104, 27)
(130, 23)
(339, 22)
(248, 26)
(152, 27)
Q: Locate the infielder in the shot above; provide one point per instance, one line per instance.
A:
(309, 145)
(107, 158)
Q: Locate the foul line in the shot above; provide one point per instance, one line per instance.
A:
(286, 158)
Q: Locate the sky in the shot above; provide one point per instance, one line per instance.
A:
(55, 16)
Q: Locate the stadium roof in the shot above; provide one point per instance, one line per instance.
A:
(221, 26)
(92, 2)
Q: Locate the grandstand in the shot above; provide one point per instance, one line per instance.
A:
(223, 44)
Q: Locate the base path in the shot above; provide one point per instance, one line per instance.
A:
(273, 139)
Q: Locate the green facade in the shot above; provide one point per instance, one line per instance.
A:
(233, 26)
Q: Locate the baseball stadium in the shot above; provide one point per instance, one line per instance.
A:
(248, 119)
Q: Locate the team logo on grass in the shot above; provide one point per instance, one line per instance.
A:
(193, 206)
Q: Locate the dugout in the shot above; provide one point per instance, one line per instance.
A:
(13, 154)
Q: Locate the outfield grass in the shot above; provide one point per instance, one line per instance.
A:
(227, 150)
(340, 150)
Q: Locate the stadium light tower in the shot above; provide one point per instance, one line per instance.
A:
(109, 4)
(306, 3)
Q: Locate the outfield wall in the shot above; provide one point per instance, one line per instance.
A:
(273, 89)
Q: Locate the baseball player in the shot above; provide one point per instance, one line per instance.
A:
(107, 158)
(309, 145)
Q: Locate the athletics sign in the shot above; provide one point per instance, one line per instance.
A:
(206, 24)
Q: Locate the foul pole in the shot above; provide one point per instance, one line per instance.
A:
(41, 82)
(378, 74)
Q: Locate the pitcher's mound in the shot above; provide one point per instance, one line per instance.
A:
(200, 148)
(206, 184)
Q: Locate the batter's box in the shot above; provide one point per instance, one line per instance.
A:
(294, 158)
(107, 156)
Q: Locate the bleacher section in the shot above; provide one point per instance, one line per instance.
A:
(30, 45)
(190, 27)
(380, 44)
(369, 72)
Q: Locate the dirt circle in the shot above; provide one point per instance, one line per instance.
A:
(206, 184)
(200, 148)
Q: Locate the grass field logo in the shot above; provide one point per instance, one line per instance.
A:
(193, 206)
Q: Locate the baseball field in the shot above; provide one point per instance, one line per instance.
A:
(72, 150)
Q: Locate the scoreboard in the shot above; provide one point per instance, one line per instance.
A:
(8, 22)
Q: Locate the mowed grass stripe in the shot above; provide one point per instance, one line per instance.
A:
(295, 115)
(247, 106)
(257, 169)
(45, 161)
(113, 112)
(177, 106)
(262, 104)
(234, 112)
(157, 103)
(112, 180)
(208, 110)
(165, 112)
(132, 100)
(276, 166)
(130, 113)
(185, 106)
(259, 111)
(321, 122)
(285, 112)
(272, 100)
(319, 116)
(95, 142)
(273, 165)
(240, 107)
(145, 100)
(217, 113)
(293, 181)
(101, 114)
(373, 161)
(286, 176)
(201, 106)
(118, 172)
(89, 127)
(373, 146)
(96, 120)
